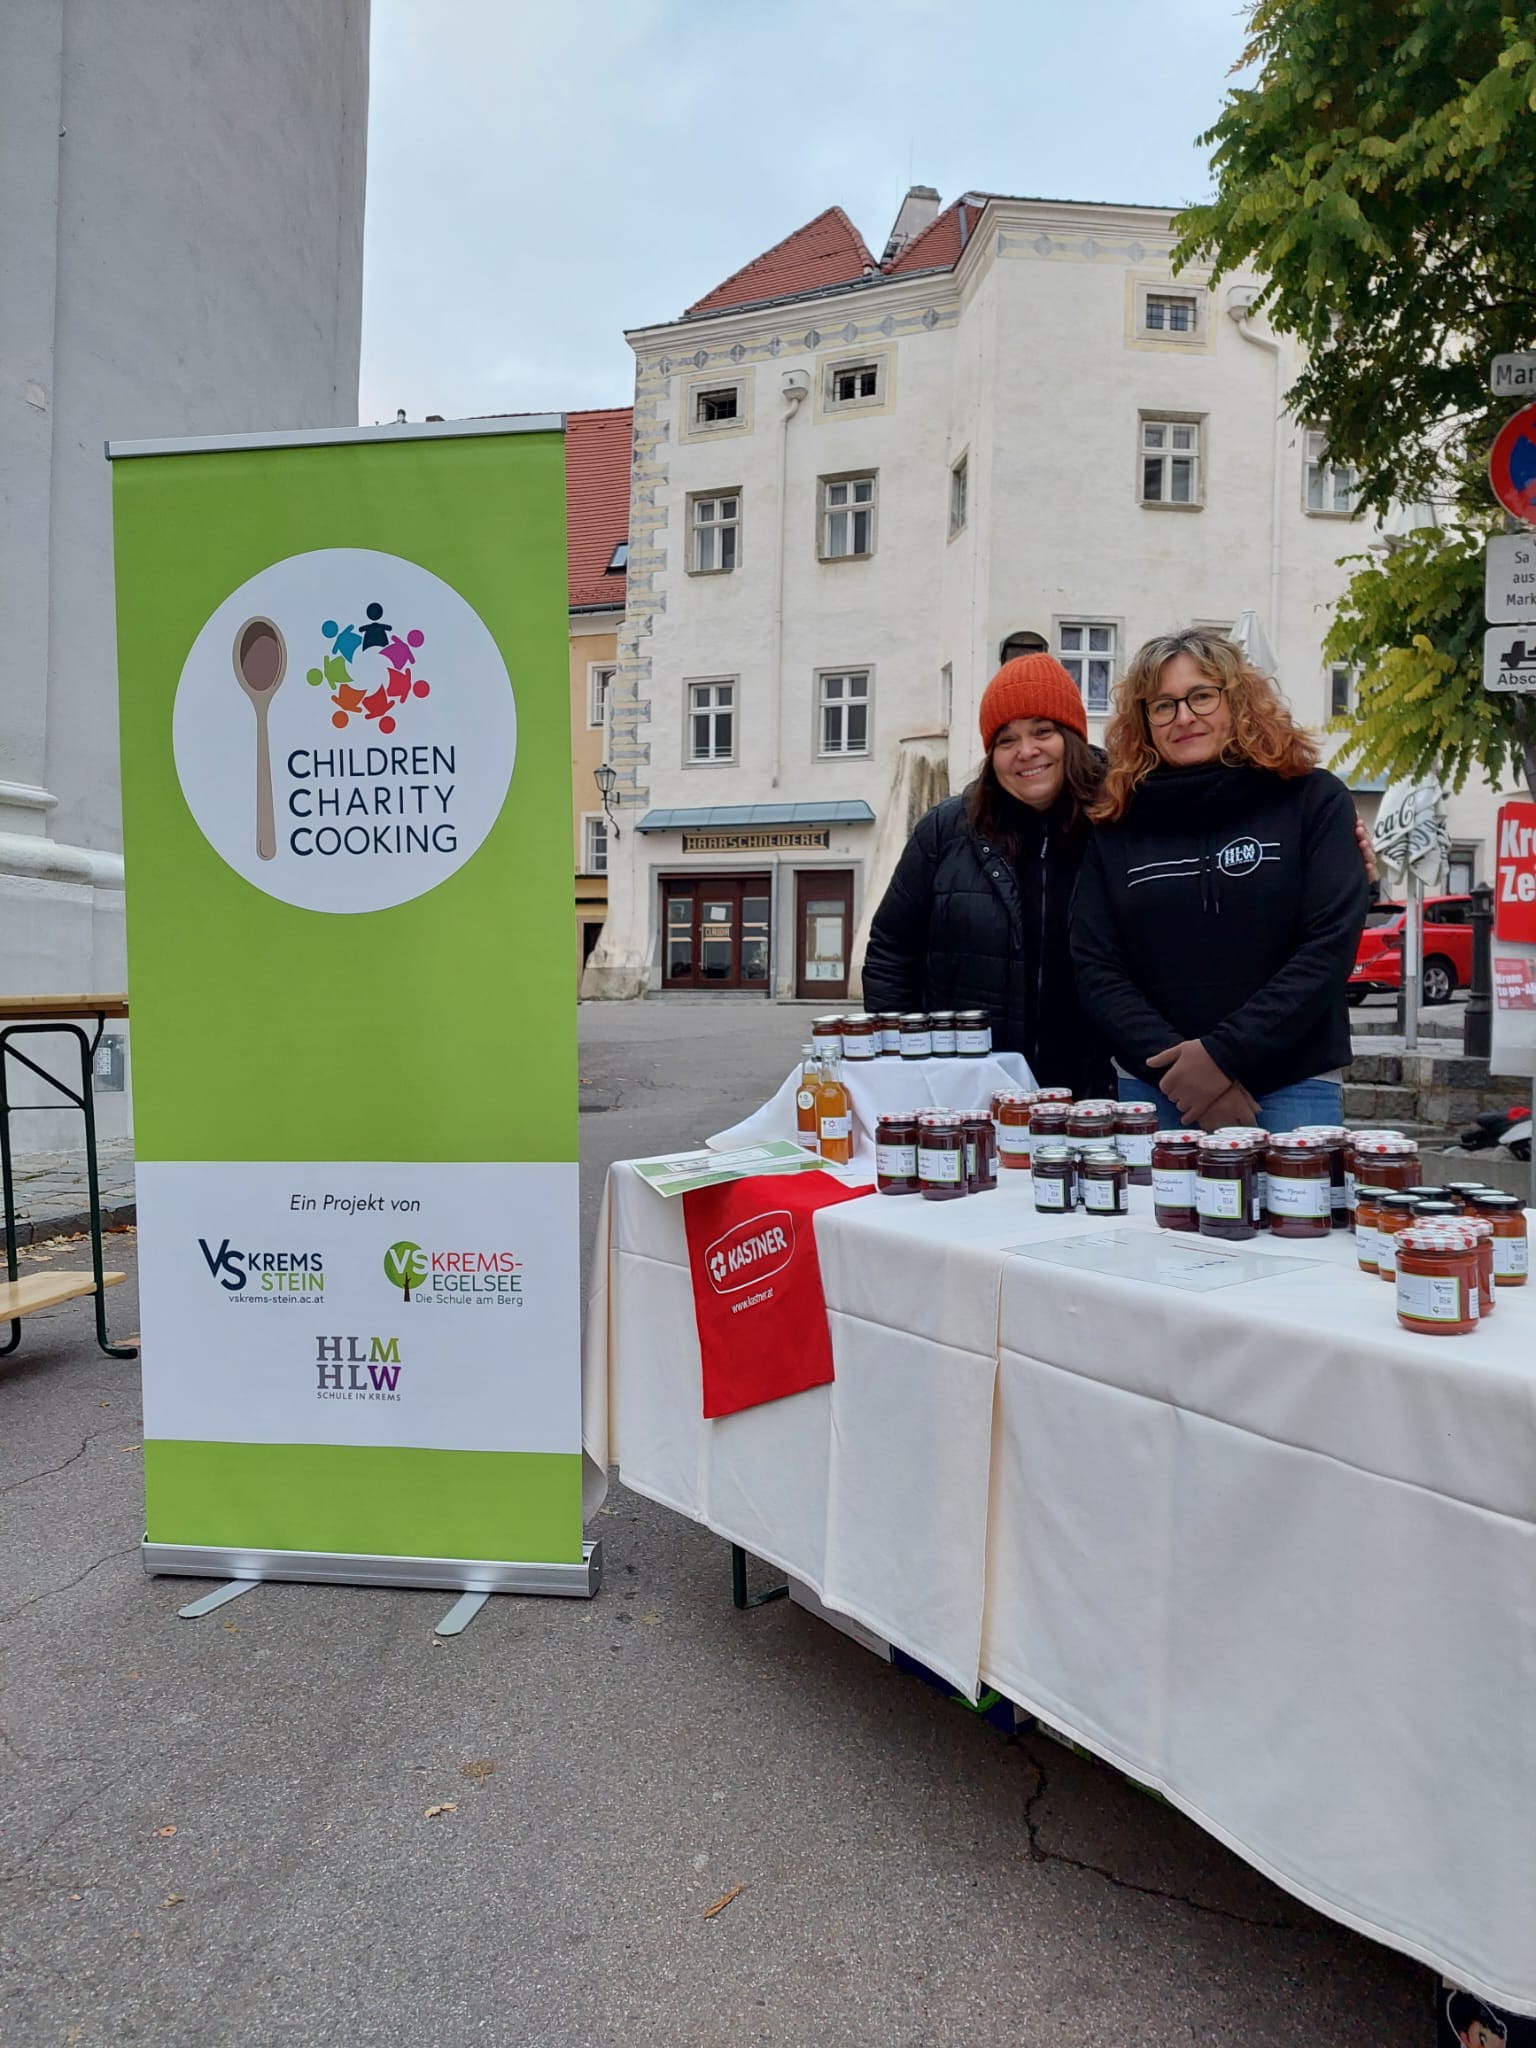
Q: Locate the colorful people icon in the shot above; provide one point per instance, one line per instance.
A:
(398, 685)
(345, 640)
(376, 633)
(1475, 2024)
(401, 653)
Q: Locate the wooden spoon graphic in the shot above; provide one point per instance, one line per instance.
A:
(261, 659)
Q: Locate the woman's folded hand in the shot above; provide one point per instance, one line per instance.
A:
(1191, 1078)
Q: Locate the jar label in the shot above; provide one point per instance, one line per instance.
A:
(805, 1099)
(1103, 1197)
(1221, 1200)
(1050, 1194)
(1432, 1298)
(836, 1127)
(890, 1041)
(1511, 1257)
(943, 1042)
(940, 1169)
(1338, 1199)
(1014, 1140)
(896, 1162)
(1349, 1188)
(1386, 1252)
(1135, 1147)
(1298, 1197)
(1365, 1243)
(859, 1048)
(1173, 1187)
(917, 1045)
(974, 1042)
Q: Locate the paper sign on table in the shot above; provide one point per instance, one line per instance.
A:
(687, 1170)
(1129, 1255)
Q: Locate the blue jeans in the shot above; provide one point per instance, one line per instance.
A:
(1285, 1109)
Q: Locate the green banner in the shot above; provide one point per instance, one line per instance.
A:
(346, 790)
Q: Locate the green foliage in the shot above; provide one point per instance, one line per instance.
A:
(1380, 174)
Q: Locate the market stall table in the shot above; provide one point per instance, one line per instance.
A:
(1252, 1542)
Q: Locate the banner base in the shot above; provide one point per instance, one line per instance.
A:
(336, 1568)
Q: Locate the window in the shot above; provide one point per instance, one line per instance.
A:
(946, 695)
(959, 484)
(853, 384)
(843, 711)
(1461, 872)
(1170, 312)
(599, 683)
(714, 534)
(1023, 643)
(618, 561)
(1170, 461)
(847, 518)
(594, 843)
(714, 408)
(711, 722)
(1088, 656)
(1341, 691)
(1330, 485)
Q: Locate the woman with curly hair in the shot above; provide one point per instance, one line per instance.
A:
(1221, 898)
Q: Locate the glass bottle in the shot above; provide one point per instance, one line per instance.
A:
(834, 1112)
(805, 1098)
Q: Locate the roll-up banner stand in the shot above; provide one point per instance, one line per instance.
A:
(346, 809)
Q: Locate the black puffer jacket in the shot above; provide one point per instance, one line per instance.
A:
(963, 927)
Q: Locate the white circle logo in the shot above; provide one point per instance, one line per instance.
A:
(1240, 856)
(345, 731)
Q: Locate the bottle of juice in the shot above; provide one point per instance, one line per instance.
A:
(834, 1113)
(805, 1098)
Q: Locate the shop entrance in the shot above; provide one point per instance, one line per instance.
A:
(715, 932)
(824, 932)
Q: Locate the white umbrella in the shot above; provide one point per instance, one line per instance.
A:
(1251, 637)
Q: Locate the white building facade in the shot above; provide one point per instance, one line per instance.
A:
(847, 501)
(180, 253)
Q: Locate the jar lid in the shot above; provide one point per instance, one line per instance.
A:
(935, 1015)
(1101, 1155)
(897, 1116)
(1477, 1226)
(1398, 1199)
(914, 1020)
(827, 1024)
(1052, 1155)
(1298, 1141)
(1013, 1095)
(1372, 1193)
(1495, 1199)
(1251, 1134)
(1054, 1094)
(1469, 1187)
(971, 1016)
(1179, 1137)
(1138, 1112)
(857, 1017)
(1098, 1102)
(977, 1117)
(1331, 1134)
(1225, 1142)
(1435, 1237)
(940, 1120)
(1386, 1145)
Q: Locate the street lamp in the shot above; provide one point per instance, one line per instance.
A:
(605, 778)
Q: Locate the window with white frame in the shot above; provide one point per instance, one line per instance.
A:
(1331, 486)
(1170, 313)
(853, 383)
(717, 407)
(714, 538)
(599, 682)
(711, 722)
(1170, 461)
(959, 491)
(847, 517)
(1088, 656)
(842, 714)
(594, 843)
(1341, 690)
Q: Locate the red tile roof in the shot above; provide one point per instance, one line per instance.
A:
(597, 450)
(828, 250)
(939, 245)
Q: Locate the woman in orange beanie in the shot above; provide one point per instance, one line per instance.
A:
(975, 917)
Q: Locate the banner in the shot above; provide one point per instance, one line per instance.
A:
(1513, 1047)
(346, 778)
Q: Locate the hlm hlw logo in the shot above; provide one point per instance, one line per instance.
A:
(1242, 856)
(264, 1276)
(357, 1368)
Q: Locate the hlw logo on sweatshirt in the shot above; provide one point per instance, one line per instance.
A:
(1242, 856)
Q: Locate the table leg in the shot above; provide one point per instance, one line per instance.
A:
(740, 1597)
(88, 1109)
(10, 1190)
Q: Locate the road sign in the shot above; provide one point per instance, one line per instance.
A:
(1512, 465)
(1513, 377)
(1509, 659)
(1509, 580)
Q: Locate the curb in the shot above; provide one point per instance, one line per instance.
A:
(66, 1222)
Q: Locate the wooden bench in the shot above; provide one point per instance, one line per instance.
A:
(39, 1016)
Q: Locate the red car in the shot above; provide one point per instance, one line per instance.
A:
(1447, 950)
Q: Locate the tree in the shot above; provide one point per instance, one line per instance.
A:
(1380, 172)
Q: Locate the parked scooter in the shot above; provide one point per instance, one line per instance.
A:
(1510, 1128)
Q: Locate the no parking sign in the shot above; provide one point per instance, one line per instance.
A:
(1512, 465)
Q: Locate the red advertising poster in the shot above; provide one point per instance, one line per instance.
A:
(1514, 879)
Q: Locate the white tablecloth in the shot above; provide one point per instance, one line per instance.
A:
(1261, 1548)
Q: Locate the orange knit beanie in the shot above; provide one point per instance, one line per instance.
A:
(1031, 686)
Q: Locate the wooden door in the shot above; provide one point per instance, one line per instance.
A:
(715, 932)
(824, 932)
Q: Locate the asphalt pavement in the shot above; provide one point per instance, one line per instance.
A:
(303, 1820)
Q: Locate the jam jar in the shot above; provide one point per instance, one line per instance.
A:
(980, 1153)
(1055, 1174)
(1395, 1210)
(896, 1155)
(941, 1156)
(941, 1030)
(916, 1037)
(1048, 1121)
(1257, 1140)
(1336, 1138)
(1300, 1195)
(1092, 1122)
(1103, 1181)
(1226, 1187)
(1386, 1159)
(1480, 1230)
(973, 1034)
(890, 1034)
(1054, 1094)
(1135, 1128)
(1353, 1171)
(1511, 1241)
(1012, 1114)
(1467, 1191)
(1366, 1198)
(861, 1037)
(827, 1036)
(1437, 1293)
(1175, 1156)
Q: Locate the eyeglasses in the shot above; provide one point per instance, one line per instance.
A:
(1202, 700)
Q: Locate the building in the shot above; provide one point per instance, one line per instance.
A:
(597, 539)
(858, 483)
(181, 248)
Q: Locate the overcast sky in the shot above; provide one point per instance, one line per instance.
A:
(543, 174)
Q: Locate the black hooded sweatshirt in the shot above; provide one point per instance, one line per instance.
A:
(1226, 905)
(963, 926)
